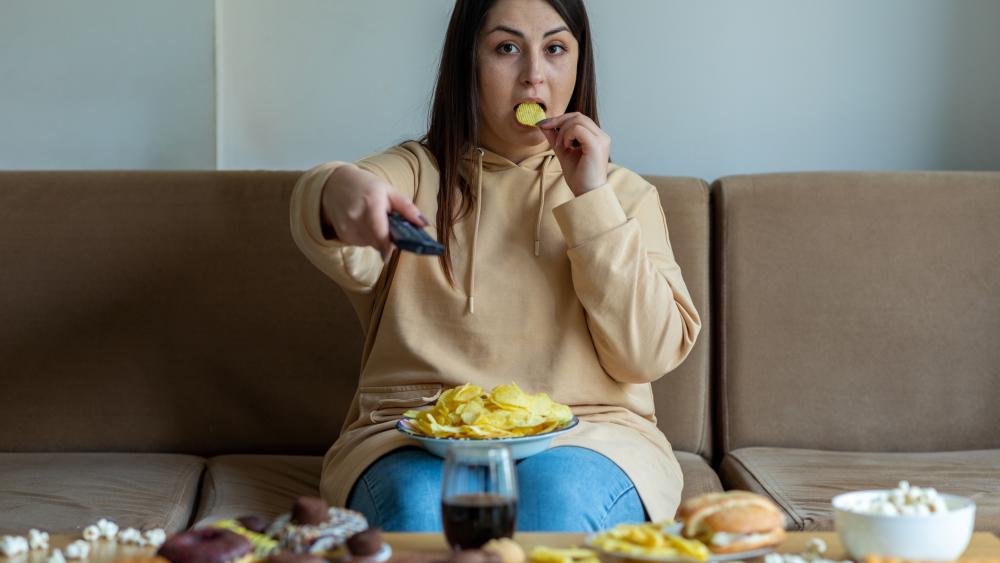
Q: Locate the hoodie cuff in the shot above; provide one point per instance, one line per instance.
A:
(589, 215)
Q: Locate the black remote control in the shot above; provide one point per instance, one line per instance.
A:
(408, 237)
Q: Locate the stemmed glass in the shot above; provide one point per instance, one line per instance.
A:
(478, 494)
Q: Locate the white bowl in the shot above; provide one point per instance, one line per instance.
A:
(520, 448)
(934, 537)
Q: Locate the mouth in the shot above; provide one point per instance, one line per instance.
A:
(544, 108)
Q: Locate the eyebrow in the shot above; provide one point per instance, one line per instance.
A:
(513, 31)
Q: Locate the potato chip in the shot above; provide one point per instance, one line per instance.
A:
(648, 540)
(529, 113)
(468, 412)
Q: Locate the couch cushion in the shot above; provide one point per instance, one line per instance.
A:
(167, 312)
(263, 485)
(682, 396)
(238, 485)
(699, 478)
(66, 492)
(859, 311)
(802, 482)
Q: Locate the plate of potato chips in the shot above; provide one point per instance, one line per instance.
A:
(526, 423)
(659, 542)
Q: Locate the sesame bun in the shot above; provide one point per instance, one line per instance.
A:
(737, 513)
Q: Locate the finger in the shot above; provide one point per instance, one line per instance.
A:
(408, 209)
(578, 136)
(551, 135)
(378, 225)
(555, 122)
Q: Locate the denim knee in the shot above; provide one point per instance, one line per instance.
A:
(574, 489)
(400, 492)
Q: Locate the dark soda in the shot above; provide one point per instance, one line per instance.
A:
(472, 520)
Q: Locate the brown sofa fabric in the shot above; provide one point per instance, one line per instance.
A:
(859, 311)
(166, 312)
(682, 397)
(802, 481)
(64, 492)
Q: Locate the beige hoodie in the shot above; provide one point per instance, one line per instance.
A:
(579, 297)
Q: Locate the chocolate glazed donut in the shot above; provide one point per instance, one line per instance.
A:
(205, 545)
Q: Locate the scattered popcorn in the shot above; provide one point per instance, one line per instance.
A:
(107, 528)
(904, 501)
(56, 557)
(813, 554)
(131, 536)
(816, 547)
(38, 540)
(155, 537)
(92, 533)
(13, 545)
(78, 550)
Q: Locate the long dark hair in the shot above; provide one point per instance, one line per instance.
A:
(454, 124)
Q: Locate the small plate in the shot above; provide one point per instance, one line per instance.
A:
(675, 529)
(520, 448)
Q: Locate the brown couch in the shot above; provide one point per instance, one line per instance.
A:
(169, 357)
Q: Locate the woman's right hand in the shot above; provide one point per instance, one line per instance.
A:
(356, 203)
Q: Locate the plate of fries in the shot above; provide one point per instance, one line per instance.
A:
(506, 415)
(657, 541)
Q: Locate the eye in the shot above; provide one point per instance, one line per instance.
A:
(507, 49)
(556, 49)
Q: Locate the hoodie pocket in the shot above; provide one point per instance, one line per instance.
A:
(382, 404)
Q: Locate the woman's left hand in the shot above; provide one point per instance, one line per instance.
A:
(585, 161)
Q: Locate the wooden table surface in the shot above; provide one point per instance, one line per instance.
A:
(983, 545)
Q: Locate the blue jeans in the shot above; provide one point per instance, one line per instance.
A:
(565, 489)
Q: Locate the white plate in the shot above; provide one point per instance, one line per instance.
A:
(520, 448)
(675, 529)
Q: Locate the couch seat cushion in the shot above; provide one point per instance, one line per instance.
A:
(803, 481)
(264, 485)
(64, 492)
(699, 478)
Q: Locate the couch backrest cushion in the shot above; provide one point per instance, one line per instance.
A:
(166, 311)
(682, 396)
(859, 311)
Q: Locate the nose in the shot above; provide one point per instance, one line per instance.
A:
(532, 73)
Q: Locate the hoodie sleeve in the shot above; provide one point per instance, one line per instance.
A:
(639, 311)
(354, 268)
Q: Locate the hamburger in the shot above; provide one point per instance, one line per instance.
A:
(733, 521)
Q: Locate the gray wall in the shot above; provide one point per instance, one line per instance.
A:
(107, 84)
(704, 88)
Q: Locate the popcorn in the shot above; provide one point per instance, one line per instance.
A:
(56, 557)
(108, 529)
(78, 550)
(13, 545)
(38, 540)
(155, 537)
(92, 533)
(813, 554)
(904, 501)
(131, 536)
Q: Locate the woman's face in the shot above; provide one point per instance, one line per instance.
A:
(525, 53)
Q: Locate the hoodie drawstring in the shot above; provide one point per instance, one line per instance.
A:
(541, 205)
(475, 233)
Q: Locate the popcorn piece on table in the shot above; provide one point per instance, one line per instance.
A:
(131, 536)
(38, 540)
(155, 537)
(13, 545)
(108, 529)
(91, 533)
(56, 557)
(79, 549)
(813, 554)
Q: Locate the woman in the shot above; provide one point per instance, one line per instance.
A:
(557, 275)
